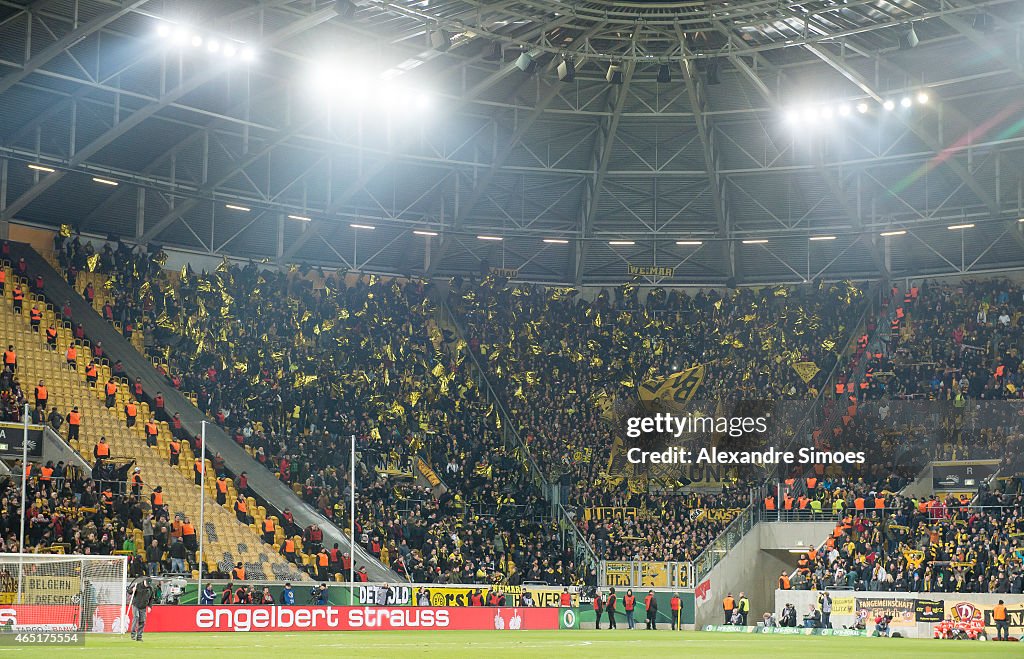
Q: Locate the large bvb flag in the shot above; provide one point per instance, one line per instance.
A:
(670, 394)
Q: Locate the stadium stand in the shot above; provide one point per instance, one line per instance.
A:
(229, 541)
(406, 395)
(749, 339)
(938, 544)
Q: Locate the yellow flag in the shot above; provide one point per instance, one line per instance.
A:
(806, 370)
(668, 393)
(65, 231)
(92, 262)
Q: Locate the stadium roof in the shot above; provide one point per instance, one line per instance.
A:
(771, 123)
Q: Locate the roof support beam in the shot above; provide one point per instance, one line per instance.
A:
(910, 122)
(602, 155)
(67, 41)
(240, 166)
(696, 93)
(383, 164)
(832, 182)
(480, 189)
(159, 161)
(984, 43)
(136, 118)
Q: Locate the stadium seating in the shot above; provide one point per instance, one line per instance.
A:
(551, 353)
(406, 395)
(228, 540)
(937, 544)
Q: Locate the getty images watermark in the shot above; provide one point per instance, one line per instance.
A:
(696, 427)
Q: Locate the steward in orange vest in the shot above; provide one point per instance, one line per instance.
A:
(35, 317)
(11, 359)
(241, 510)
(102, 450)
(628, 604)
(137, 482)
(784, 582)
(71, 357)
(156, 500)
(238, 573)
(288, 549)
(74, 423)
(110, 389)
(222, 490)
(175, 448)
(91, 373)
(41, 395)
(151, 432)
(130, 413)
(728, 605)
(268, 530)
(198, 468)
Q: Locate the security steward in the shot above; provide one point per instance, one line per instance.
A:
(728, 606)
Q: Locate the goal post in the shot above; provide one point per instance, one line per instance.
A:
(63, 592)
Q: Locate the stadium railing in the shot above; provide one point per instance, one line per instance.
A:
(726, 540)
(508, 428)
(570, 533)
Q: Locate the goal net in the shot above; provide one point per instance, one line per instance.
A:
(63, 592)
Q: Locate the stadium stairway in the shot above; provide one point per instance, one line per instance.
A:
(261, 480)
(227, 541)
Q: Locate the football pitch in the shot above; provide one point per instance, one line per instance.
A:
(589, 643)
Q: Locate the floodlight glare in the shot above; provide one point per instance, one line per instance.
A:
(844, 110)
(889, 105)
(213, 46)
(163, 31)
(922, 97)
(180, 36)
(230, 49)
(862, 107)
(556, 241)
(196, 41)
(826, 113)
(906, 102)
(248, 54)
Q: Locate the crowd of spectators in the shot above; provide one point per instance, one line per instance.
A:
(551, 354)
(938, 544)
(293, 364)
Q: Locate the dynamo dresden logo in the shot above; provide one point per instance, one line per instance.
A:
(964, 611)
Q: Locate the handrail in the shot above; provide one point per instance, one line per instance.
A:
(580, 544)
(506, 418)
(734, 532)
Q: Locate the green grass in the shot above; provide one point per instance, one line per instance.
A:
(621, 643)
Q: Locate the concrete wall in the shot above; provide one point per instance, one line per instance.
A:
(753, 566)
(954, 607)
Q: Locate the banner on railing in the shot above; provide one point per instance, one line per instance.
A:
(542, 596)
(646, 574)
(715, 514)
(610, 512)
(901, 610)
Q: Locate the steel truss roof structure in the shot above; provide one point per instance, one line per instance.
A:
(722, 173)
